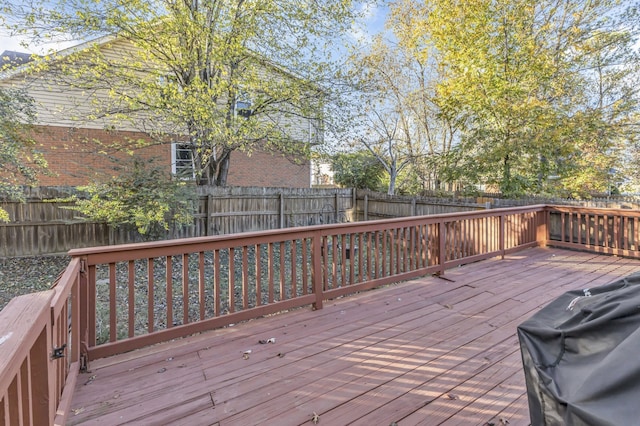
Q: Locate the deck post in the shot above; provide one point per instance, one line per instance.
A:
(316, 269)
(75, 319)
(442, 230)
(542, 228)
(501, 236)
(83, 324)
(42, 374)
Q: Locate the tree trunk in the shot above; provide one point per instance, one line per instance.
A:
(393, 173)
(505, 186)
(223, 169)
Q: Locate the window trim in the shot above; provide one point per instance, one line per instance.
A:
(176, 147)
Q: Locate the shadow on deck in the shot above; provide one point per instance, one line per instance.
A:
(429, 351)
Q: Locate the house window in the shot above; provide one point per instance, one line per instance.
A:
(182, 160)
(243, 105)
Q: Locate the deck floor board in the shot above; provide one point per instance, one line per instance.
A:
(428, 351)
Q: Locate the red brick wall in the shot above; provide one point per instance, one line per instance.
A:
(74, 157)
(264, 169)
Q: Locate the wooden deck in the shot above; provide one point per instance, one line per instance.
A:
(430, 351)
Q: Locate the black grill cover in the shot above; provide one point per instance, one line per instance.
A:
(581, 357)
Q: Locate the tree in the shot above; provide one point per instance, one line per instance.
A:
(227, 75)
(20, 162)
(384, 141)
(400, 120)
(544, 89)
(359, 170)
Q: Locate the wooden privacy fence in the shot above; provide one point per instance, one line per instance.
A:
(120, 298)
(45, 225)
(373, 205)
(230, 210)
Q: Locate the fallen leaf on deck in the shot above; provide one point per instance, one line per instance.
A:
(281, 355)
(77, 411)
(448, 306)
(315, 418)
(91, 379)
(170, 358)
(452, 396)
(162, 370)
(504, 421)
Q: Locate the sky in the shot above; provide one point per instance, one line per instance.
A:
(373, 18)
(8, 42)
(372, 22)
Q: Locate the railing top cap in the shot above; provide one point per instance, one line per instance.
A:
(194, 241)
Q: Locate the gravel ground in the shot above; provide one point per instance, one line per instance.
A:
(22, 275)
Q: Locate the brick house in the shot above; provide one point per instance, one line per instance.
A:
(76, 146)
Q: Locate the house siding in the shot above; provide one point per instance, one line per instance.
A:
(67, 134)
(59, 104)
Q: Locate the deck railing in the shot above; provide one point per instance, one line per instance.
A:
(607, 231)
(119, 298)
(40, 353)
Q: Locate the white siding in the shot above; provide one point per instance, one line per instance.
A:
(59, 104)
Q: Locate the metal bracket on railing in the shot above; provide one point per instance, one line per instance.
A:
(58, 352)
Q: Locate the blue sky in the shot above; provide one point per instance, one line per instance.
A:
(372, 22)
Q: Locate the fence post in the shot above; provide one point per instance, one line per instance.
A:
(209, 216)
(413, 206)
(366, 207)
(336, 207)
(316, 269)
(354, 205)
(281, 212)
